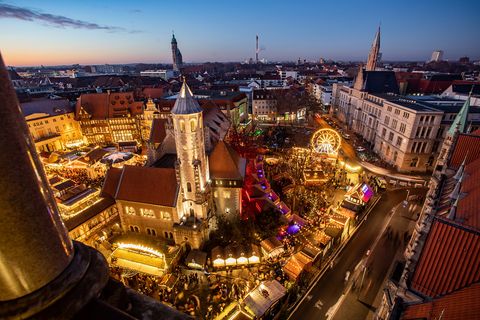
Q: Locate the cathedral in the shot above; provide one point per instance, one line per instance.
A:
(186, 181)
(176, 55)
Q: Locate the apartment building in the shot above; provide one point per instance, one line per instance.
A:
(52, 124)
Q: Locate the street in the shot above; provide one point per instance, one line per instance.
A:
(333, 296)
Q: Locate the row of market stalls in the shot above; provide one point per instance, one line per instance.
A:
(72, 198)
(235, 255)
(355, 200)
(94, 162)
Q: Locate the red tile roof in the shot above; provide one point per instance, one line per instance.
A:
(154, 93)
(159, 131)
(468, 209)
(225, 163)
(460, 305)
(156, 186)
(108, 105)
(468, 145)
(450, 260)
(110, 184)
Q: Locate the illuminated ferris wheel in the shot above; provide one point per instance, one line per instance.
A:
(326, 141)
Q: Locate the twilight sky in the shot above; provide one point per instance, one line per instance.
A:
(53, 32)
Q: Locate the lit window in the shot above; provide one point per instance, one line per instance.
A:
(130, 210)
(193, 125)
(147, 213)
(166, 215)
(226, 194)
(182, 126)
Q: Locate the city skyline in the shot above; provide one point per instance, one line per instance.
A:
(55, 33)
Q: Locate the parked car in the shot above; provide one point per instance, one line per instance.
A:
(346, 136)
(361, 149)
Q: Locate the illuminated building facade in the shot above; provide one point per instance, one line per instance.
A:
(52, 124)
(109, 117)
(227, 173)
(148, 199)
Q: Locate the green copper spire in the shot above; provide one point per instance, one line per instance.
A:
(460, 122)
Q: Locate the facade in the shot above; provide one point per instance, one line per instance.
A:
(437, 56)
(322, 92)
(142, 208)
(109, 117)
(164, 74)
(52, 124)
(227, 173)
(264, 105)
(405, 131)
(285, 74)
(176, 55)
(405, 134)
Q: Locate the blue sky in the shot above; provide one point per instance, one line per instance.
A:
(96, 32)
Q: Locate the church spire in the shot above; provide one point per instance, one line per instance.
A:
(459, 173)
(186, 103)
(372, 61)
(456, 190)
(453, 211)
(459, 125)
(359, 79)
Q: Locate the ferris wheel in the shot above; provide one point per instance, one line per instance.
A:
(326, 141)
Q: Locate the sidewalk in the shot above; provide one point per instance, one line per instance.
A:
(392, 174)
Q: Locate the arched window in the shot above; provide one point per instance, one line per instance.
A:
(193, 125)
(182, 126)
(189, 187)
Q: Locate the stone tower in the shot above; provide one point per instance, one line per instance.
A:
(176, 55)
(148, 114)
(192, 161)
(372, 61)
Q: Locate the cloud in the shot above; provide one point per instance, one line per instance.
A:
(136, 11)
(14, 12)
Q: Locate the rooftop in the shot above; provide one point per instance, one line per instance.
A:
(157, 186)
(52, 107)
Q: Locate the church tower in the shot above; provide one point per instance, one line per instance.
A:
(372, 61)
(149, 112)
(176, 55)
(459, 125)
(192, 161)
